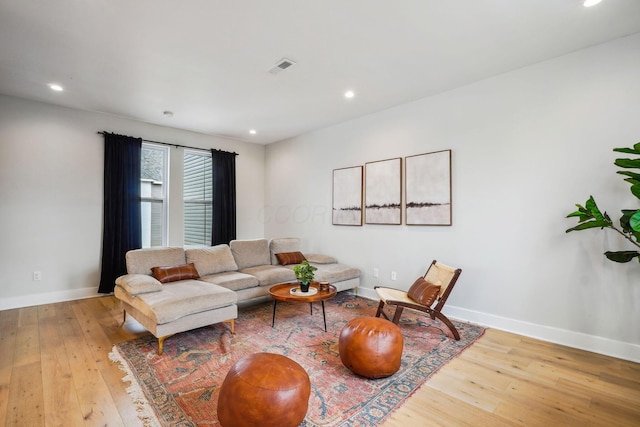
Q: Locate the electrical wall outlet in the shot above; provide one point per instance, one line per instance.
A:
(37, 276)
(376, 272)
(394, 275)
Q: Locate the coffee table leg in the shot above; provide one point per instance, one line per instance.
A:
(311, 308)
(273, 320)
(324, 317)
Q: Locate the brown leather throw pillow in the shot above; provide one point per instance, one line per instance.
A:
(175, 273)
(286, 258)
(423, 292)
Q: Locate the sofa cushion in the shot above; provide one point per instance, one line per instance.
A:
(321, 259)
(423, 292)
(283, 244)
(179, 299)
(250, 253)
(286, 258)
(140, 261)
(211, 260)
(333, 273)
(175, 273)
(270, 274)
(232, 280)
(136, 284)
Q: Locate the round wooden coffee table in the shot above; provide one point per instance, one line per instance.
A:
(282, 292)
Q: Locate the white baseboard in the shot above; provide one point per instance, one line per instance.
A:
(48, 298)
(565, 337)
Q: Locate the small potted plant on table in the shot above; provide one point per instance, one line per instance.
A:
(304, 273)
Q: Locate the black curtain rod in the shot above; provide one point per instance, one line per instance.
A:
(173, 145)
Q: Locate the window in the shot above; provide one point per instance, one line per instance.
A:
(198, 200)
(153, 191)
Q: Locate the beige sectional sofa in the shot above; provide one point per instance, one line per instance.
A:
(226, 274)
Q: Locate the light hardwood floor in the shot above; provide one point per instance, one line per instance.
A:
(55, 371)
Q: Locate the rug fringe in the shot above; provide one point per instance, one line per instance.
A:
(143, 407)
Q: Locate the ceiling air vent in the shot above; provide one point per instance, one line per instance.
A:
(281, 65)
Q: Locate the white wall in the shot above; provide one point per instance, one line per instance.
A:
(527, 146)
(51, 184)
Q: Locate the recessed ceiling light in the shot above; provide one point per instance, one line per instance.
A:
(56, 87)
(349, 94)
(253, 132)
(589, 3)
(167, 114)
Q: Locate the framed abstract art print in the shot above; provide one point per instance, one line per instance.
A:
(428, 188)
(383, 192)
(347, 196)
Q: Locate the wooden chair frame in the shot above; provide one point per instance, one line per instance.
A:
(390, 296)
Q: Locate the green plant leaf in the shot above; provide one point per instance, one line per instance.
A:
(628, 163)
(624, 220)
(634, 222)
(633, 175)
(621, 256)
(582, 215)
(635, 189)
(628, 150)
(590, 224)
(593, 208)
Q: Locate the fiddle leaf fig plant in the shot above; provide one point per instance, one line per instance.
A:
(590, 216)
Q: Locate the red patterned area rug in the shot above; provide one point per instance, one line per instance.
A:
(180, 388)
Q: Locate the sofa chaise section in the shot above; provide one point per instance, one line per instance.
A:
(165, 309)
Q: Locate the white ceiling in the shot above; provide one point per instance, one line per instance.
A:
(208, 60)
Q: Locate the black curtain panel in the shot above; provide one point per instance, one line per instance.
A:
(223, 228)
(122, 217)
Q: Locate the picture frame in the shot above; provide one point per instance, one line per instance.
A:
(347, 196)
(383, 192)
(428, 192)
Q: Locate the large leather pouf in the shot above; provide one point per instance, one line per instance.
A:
(265, 390)
(371, 347)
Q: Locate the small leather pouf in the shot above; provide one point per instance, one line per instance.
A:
(266, 390)
(371, 347)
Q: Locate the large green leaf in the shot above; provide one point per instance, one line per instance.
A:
(590, 224)
(634, 221)
(635, 189)
(627, 150)
(625, 223)
(582, 213)
(625, 218)
(621, 256)
(633, 175)
(628, 163)
(582, 216)
(593, 208)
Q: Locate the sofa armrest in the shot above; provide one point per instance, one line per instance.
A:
(136, 284)
(320, 259)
